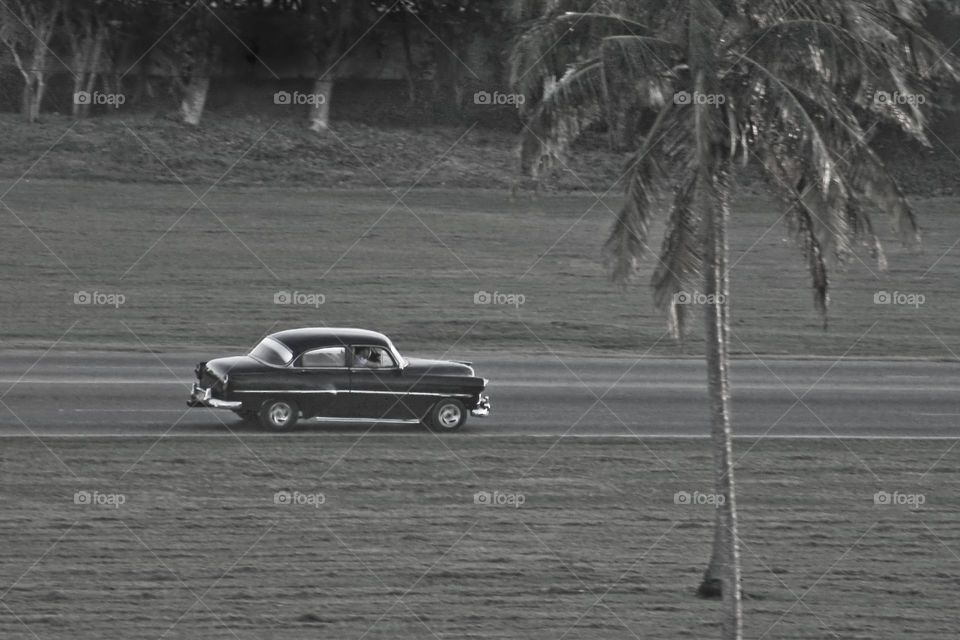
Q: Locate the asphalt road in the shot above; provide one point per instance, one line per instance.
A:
(101, 393)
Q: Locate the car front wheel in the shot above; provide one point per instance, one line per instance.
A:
(448, 415)
(278, 415)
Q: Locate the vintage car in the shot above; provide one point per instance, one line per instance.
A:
(343, 375)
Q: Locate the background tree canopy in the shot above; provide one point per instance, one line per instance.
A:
(410, 62)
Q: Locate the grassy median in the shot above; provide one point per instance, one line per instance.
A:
(382, 537)
(205, 275)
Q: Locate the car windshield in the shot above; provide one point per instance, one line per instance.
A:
(403, 361)
(269, 351)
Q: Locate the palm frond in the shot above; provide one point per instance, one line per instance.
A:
(574, 103)
(872, 183)
(802, 222)
(627, 244)
(875, 59)
(646, 181)
(679, 268)
(551, 45)
(633, 66)
(643, 66)
(639, 73)
(772, 109)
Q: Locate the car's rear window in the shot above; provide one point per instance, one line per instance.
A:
(272, 352)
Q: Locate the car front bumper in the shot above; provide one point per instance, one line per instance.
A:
(482, 409)
(200, 397)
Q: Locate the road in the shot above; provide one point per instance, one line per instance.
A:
(122, 393)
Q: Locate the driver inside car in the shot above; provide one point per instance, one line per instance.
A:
(366, 357)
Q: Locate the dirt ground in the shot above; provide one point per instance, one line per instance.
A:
(382, 537)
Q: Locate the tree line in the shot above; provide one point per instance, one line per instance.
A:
(108, 45)
(117, 46)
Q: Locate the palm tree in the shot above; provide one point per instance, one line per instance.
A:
(798, 85)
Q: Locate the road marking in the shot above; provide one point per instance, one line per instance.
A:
(124, 410)
(414, 433)
(105, 381)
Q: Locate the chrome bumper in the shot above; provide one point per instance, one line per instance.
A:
(200, 397)
(483, 407)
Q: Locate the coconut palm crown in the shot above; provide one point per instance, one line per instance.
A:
(798, 85)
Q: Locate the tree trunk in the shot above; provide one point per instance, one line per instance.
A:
(26, 101)
(194, 98)
(81, 49)
(723, 573)
(93, 68)
(38, 96)
(33, 90)
(320, 106)
(39, 21)
(447, 81)
(409, 66)
(712, 198)
(76, 108)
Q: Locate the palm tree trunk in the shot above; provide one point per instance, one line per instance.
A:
(712, 198)
(723, 573)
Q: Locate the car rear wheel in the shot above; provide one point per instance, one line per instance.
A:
(279, 415)
(448, 415)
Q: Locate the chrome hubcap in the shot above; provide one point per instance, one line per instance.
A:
(280, 414)
(449, 415)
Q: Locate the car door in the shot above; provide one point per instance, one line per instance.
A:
(323, 380)
(377, 387)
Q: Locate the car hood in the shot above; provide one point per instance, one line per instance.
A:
(438, 367)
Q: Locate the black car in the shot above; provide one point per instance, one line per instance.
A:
(344, 375)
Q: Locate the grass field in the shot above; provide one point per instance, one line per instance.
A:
(206, 278)
(274, 149)
(188, 542)
(363, 149)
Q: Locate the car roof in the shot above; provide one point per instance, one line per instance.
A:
(300, 340)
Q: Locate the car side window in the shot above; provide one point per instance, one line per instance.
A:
(383, 359)
(324, 358)
(372, 358)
